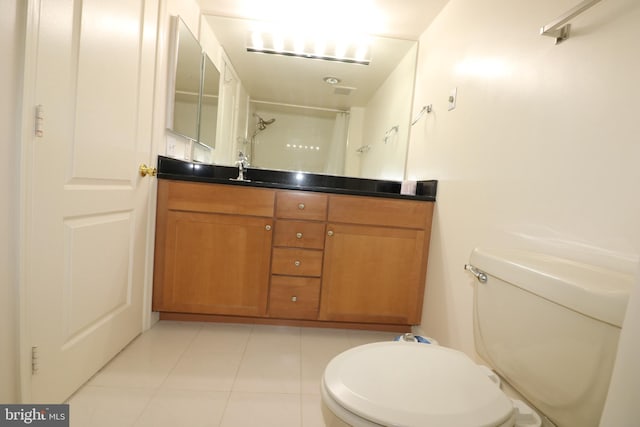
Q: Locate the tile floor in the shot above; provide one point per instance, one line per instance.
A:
(211, 374)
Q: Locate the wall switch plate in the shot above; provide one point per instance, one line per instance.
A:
(171, 148)
(453, 97)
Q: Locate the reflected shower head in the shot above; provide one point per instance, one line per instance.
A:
(262, 124)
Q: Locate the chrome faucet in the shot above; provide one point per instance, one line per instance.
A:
(243, 164)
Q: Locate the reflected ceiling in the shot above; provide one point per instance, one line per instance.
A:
(404, 19)
(300, 81)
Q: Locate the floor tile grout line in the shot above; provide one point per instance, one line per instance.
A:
(157, 389)
(235, 377)
(242, 356)
(179, 358)
(301, 419)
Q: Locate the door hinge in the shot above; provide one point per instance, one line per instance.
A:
(34, 360)
(39, 122)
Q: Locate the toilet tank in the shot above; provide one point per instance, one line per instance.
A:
(549, 326)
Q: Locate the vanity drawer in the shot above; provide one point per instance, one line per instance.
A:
(299, 234)
(296, 262)
(214, 198)
(301, 205)
(380, 211)
(294, 297)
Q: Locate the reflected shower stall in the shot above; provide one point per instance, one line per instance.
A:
(284, 137)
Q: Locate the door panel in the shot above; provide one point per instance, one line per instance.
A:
(96, 284)
(86, 204)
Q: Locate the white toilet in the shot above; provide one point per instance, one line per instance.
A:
(548, 326)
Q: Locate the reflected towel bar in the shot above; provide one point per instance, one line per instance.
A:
(425, 109)
(557, 27)
(387, 136)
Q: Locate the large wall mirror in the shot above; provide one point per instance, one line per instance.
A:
(322, 116)
(194, 85)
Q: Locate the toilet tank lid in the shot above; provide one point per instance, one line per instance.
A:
(588, 289)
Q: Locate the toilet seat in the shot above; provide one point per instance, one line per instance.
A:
(413, 384)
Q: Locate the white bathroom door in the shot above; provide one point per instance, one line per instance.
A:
(90, 68)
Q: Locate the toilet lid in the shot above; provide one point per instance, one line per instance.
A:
(413, 384)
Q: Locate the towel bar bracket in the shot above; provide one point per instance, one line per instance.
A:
(561, 34)
(559, 28)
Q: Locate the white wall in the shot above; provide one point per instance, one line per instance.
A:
(542, 150)
(11, 33)
(389, 107)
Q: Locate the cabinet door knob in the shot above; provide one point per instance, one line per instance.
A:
(294, 298)
(300, 206)
(298, 235)
(330, 233)
(267, 227)
(297, 263)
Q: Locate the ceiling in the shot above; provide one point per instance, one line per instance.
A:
(297, 81)
(405, 19)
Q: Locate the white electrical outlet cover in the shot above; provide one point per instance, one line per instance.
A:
(453, 96)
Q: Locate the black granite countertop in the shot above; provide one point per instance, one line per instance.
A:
(169, 168)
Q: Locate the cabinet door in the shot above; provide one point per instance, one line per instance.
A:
(373, 274)
(215, 264)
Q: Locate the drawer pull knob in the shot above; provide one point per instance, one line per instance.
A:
(301, 206)
(298, 235)
(267, 227)
(330, 233)
(294, 298)
(297, 263)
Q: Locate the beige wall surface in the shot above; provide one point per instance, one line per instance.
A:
(389, 107)
(11, 18)
(541, 151)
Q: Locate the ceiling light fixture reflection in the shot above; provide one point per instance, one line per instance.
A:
(256, 40)
(278, 42)
(310, 46)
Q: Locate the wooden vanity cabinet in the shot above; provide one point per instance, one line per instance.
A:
(375, 260)
(213, 249)
(258, 254)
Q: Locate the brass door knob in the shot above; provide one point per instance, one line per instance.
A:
(146, 170)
